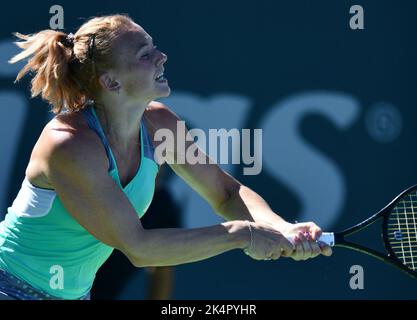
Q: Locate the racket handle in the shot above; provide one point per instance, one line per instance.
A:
(327, 238)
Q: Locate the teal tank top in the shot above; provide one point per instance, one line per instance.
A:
(40, 239)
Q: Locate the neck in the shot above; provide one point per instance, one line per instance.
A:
(121, 122)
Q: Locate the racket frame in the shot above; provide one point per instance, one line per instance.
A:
(391, 258)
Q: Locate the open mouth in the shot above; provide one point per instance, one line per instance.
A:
(160, 78)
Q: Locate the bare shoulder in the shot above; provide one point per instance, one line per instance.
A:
(68, 132)
(69, 136)
(160, 115)
(64, 140)
(156, 106)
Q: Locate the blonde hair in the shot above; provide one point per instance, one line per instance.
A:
(66, 68)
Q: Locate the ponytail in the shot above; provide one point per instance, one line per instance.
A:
(51, 59)
(65, 67)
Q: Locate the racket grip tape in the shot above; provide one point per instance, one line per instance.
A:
(327, 238)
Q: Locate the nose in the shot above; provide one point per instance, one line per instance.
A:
(162, 59)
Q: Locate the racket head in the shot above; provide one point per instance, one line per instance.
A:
(399, 230)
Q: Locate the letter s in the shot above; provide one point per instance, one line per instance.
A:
(312, 176)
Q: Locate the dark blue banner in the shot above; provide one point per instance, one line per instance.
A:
(332, 85)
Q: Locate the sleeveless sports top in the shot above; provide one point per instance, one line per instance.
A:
(40, 240)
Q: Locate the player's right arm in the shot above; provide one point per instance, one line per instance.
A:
(76, 166)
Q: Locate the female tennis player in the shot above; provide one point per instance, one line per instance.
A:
(91, 174)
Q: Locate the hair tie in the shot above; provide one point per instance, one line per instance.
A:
(91, 45)
(69, 41)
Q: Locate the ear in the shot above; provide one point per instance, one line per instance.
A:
(109, 83)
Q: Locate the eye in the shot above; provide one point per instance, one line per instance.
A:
(146, 55)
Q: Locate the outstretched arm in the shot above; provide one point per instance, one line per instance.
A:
(227, 196)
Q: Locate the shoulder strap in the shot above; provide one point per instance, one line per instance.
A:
(147, 142)
(94, 125)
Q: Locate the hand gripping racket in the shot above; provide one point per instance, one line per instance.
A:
(399, 233)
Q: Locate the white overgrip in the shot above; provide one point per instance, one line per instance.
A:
(327, 238)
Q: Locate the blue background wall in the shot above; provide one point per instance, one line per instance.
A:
(338, 109)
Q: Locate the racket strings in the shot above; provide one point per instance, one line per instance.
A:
(402, 230)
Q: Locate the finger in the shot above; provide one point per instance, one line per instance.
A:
(302, 235)
(256, 257)
(299, 249)
(314, 230)
(316, 250)
(325, 249)
(276, 255)
(269, 253)
(253, 254)
(286, 247)
(294, 241)
(307, 249)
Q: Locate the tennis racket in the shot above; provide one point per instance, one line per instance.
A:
(399, 233)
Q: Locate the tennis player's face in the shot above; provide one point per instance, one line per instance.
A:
(140, 65)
